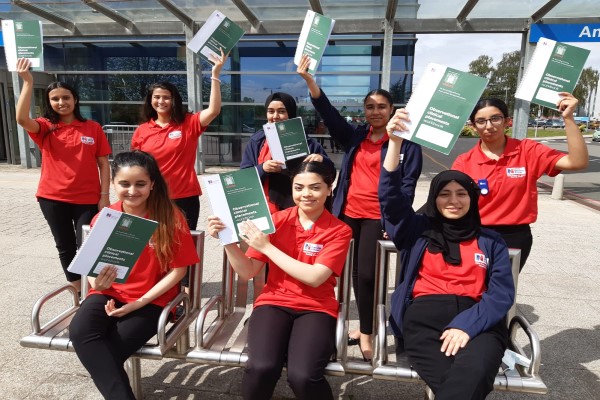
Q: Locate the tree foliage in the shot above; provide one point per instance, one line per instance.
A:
(585, 89)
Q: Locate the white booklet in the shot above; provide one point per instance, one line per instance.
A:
(554, 67)
(313, 39)
(23, 39)
(218, 32)
(117, 239)
(286, 139)
(236, 197)
(440, 106)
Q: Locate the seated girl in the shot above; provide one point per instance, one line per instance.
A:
(456, 288)
(116, 319)
(294, 318)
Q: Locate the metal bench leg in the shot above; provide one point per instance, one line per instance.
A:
(429, 395)
(134, 370)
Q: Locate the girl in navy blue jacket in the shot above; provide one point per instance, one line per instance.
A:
(355, 197)
(456, 287)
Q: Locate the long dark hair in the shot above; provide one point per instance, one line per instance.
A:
(160, 207)
(489, 102)
(47, 110)
(178, 112)
(325, 171)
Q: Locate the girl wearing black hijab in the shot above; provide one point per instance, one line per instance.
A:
(456, 286)
(276, 181)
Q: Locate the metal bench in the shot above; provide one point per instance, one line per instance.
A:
(173, 338)
(520, 379)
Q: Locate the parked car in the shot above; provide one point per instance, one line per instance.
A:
(557, 123)
(596, 136)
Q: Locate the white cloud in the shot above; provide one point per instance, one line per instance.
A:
(458, 50)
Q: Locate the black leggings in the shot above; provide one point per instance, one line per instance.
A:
(366, 233)
(306, 339)
(516, 237)
(191, 210)
(104, 343)
(471, 372)
(65, 221)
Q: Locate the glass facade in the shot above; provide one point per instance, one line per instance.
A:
(112, 80)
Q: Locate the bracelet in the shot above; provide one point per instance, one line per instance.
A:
(104, 193)
(215, 79)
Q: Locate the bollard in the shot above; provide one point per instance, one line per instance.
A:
(557, 189)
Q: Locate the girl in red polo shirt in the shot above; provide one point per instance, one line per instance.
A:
(75, 174)
(116, 319)
(170, 133)
(355, 198)
(294, 318)
(507, 169)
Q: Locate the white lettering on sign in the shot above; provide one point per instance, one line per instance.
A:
(586, 32)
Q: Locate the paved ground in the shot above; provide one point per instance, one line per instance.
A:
(558, 292)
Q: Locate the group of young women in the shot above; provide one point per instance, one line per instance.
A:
(456, 285)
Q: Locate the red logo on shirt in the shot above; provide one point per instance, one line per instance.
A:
(516, 172)
(480, 260)
(87, 140)
(311, 249)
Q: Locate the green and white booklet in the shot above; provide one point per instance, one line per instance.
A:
(218, 32)
(236, 197)
(23, 39)
(440, 106)
(313, 39)
(286, 139)
(554, 67)
(118, 239)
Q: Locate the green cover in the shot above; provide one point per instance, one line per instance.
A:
(226, 36)
(316, 39)
(449, 108)
(292, 138)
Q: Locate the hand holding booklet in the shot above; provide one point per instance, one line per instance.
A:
(286, 139)
(218, 32)
(554, 67)
(117, 239)
(440, 106)
(236, 197)
(23, 39)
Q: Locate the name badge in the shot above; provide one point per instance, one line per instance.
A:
(517, 172)
(480, 260)
(87, 140)
(175, 135)
(311, 249)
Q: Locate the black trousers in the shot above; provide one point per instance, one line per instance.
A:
(191, 210)
(516, 237)
(365, 232)
(471, 372)
(65, 221)
(305, 339)
(104, 343)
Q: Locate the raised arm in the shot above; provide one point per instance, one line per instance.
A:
(24, 103)
(214, 106)
(577, 157)
(302, 70)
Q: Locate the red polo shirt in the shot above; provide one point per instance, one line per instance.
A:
(467, 279)
(362, 200)
(512, 197)
(69, 160)
(147, 272)
(174, 148)
(326, 243)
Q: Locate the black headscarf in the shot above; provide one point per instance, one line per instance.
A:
(280, 185)
(446, 234)
(287, 100)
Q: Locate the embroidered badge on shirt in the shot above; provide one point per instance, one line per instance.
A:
(480, 260)
(311, 249)
(517, 172)
(175, 135)
(87, 140)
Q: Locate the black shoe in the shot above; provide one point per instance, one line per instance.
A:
(179, 311)
(353, 341)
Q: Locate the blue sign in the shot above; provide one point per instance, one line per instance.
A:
(565, 32)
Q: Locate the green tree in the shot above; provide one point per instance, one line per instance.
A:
(503, 80)
(482, 66)
(585, 89)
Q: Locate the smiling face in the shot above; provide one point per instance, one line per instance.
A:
(62, 102)
(310, 191)
(276, 111)
(488, 124)
(453, 201)
(162, 101)
(378, 111)
(133, 187)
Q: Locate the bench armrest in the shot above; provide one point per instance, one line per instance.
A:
(210, 304)
(166, 340)
(37, 309)
(534, 342)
